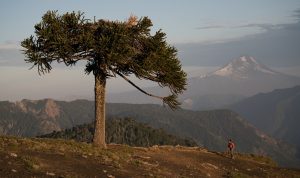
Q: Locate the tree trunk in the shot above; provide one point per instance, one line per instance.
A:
(99, 135)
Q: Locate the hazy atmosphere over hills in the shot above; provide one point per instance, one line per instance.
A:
(276, 113)
(240, 78)
(209, 129)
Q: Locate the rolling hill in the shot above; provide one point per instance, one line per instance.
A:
(276, 113)
(209, 129)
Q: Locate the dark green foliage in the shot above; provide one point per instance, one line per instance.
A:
(110, 48)
(123, 131)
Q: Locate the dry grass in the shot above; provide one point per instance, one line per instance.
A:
(61, 158)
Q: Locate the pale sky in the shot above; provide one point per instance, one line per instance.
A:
(183, 21)
(206, 33)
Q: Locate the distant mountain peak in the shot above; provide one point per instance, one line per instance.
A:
(248, 59)
(243, 67)
(248, 62)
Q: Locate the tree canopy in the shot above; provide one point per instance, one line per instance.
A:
(110, 48)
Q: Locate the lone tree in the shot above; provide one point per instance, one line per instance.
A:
(110, 48)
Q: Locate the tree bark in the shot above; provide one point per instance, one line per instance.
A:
(99, 135)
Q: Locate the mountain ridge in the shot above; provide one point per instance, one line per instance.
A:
(243, 65)
(276, 113)
(245, 77)
(208, 128)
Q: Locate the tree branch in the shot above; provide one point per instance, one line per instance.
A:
(149, 77)
(171, 100)
(137, 87)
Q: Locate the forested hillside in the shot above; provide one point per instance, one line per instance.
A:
(122, 131)
(210, 129)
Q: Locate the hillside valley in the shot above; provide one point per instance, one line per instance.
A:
(209, 129)
(276, 113)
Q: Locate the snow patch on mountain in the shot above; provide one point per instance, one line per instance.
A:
(243, 67)
(225, 71)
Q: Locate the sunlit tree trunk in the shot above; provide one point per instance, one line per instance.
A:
(99, 135)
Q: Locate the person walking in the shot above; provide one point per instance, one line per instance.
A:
(231, 147)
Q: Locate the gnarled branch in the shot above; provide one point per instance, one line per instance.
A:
(170, 100)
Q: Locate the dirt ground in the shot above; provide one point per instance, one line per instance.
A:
(58, 158)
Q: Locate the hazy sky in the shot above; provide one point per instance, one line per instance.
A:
(206, 33)
(183, 21)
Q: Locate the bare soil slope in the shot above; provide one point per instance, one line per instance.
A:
(23, 157)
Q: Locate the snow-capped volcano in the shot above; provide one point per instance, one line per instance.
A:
(243, 67)
(240, 78)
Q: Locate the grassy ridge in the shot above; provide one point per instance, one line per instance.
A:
(36, 157)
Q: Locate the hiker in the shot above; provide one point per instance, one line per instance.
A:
(230, 147)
